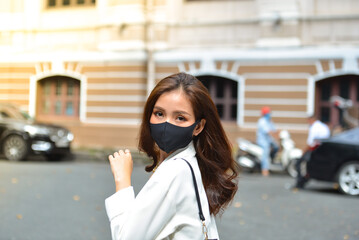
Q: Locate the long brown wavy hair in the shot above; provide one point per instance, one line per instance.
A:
(213, 151)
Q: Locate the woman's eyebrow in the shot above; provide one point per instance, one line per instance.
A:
(158, 108)
(182, 112)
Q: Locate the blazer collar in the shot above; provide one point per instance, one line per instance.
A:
(187, 152)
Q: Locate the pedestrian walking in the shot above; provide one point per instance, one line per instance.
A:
(194, 174)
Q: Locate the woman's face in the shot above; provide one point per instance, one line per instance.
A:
(175, 108)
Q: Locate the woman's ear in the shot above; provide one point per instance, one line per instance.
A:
(198, 129)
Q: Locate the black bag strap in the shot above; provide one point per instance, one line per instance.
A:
(197, 194)
(200, 213)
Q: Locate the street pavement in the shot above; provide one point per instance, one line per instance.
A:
(42, 200)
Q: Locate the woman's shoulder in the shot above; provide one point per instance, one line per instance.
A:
(175, 168)
(177, 164)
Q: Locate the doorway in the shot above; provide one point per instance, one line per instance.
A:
(345, 86)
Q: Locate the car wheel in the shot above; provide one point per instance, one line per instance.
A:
(15, 148)
(348, 178)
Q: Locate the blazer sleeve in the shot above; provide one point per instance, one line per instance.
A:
(143, 217)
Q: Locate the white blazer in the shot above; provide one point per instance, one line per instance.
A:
(166, 207)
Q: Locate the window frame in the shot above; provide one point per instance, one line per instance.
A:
(53, 104)
(225, 102)
(59, 4)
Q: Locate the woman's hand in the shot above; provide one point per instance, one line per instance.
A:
(121, 166)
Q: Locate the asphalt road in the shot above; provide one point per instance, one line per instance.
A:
(65, 200)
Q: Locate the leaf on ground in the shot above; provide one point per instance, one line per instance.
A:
(14, 180)
(76, 198)
(19, 216)
(238, 205)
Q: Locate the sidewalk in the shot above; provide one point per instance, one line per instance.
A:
(101, 155)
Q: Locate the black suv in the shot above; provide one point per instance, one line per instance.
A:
(21, 136)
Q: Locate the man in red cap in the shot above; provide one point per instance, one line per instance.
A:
(265, 110)
(266, 132)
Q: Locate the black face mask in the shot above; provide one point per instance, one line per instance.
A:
(170, 137)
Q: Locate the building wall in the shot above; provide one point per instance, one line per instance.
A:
(276, 50)
(115, 92)
(14, 83)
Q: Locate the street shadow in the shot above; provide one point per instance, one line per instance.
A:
(322, 187)
(280, 174)
(327, 190)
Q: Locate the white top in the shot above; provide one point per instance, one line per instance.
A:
(317, 130)
(166, 207)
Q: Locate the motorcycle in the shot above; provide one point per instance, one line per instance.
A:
(249, 155)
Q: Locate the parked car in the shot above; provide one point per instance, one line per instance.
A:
(337, 160)
(21, 136)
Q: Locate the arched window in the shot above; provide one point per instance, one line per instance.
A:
(58, 97)
(224, 93)
(346, 86)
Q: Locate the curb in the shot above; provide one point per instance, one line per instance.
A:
(101, 155)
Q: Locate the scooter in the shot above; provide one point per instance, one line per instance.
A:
(249, 155)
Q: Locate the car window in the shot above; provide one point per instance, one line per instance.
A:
(4, 115)
(9, 111)
(25, 115)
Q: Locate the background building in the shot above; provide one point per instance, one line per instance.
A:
(89, 64)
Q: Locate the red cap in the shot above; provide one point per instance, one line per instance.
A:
(265, 110)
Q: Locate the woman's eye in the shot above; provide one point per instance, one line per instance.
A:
(180, 118)
(158, 114)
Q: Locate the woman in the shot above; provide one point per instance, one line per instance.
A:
(179, 122)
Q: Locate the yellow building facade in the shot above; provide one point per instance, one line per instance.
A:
(89, 65)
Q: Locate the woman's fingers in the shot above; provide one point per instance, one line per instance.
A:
(121, 166)
(119, 153)
(121, 159)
